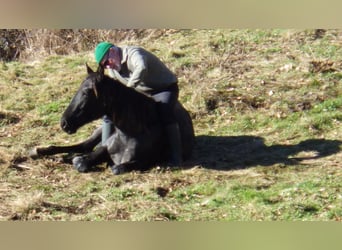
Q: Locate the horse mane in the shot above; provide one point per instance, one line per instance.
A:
(131, 111)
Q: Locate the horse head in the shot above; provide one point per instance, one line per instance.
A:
(87, 104)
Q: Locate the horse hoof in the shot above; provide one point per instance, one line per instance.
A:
(79, 164)
(117, 170)
(33, 153)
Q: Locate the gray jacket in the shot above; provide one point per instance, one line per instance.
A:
(143, 70)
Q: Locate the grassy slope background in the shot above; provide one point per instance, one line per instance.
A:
(266, 107)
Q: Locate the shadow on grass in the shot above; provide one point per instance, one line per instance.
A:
(239, 152)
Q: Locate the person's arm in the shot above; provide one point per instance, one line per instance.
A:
(116, 75)
(139, 69)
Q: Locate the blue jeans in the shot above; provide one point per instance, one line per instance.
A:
(166, 100)
(107, 129)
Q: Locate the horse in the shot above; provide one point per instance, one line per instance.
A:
(138, 140)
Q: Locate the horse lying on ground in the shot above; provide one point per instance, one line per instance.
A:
(138, 141)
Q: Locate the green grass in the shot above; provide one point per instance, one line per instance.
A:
(266, 107)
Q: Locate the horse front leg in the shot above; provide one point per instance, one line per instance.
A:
(89, 161)
(83, 147)
(126, 160)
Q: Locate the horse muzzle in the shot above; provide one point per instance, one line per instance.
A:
(66, 127)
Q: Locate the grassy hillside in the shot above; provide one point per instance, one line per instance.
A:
(266, 107)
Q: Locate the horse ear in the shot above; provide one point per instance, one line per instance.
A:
(100, 70)
(89, 70)
(99, 79)
(100, 73)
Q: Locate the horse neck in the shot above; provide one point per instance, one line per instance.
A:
(130, 110)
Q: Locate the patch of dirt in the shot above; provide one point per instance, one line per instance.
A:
(174, 184)
(233, 99)
(322, 66)
(7, 118)
(39, 211)
(119, 214)
(162, 192)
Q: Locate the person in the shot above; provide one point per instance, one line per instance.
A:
(145, 72)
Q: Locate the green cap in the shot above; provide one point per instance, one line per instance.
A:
(100, 50)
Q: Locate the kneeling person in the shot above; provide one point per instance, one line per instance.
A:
(140, 69)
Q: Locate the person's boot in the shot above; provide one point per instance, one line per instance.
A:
(173, 135)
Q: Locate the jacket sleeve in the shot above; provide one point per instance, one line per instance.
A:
(116, 75)
(138, 68)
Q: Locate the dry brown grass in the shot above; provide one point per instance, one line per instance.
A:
(30, 44)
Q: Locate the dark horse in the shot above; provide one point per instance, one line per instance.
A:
(138, 140)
